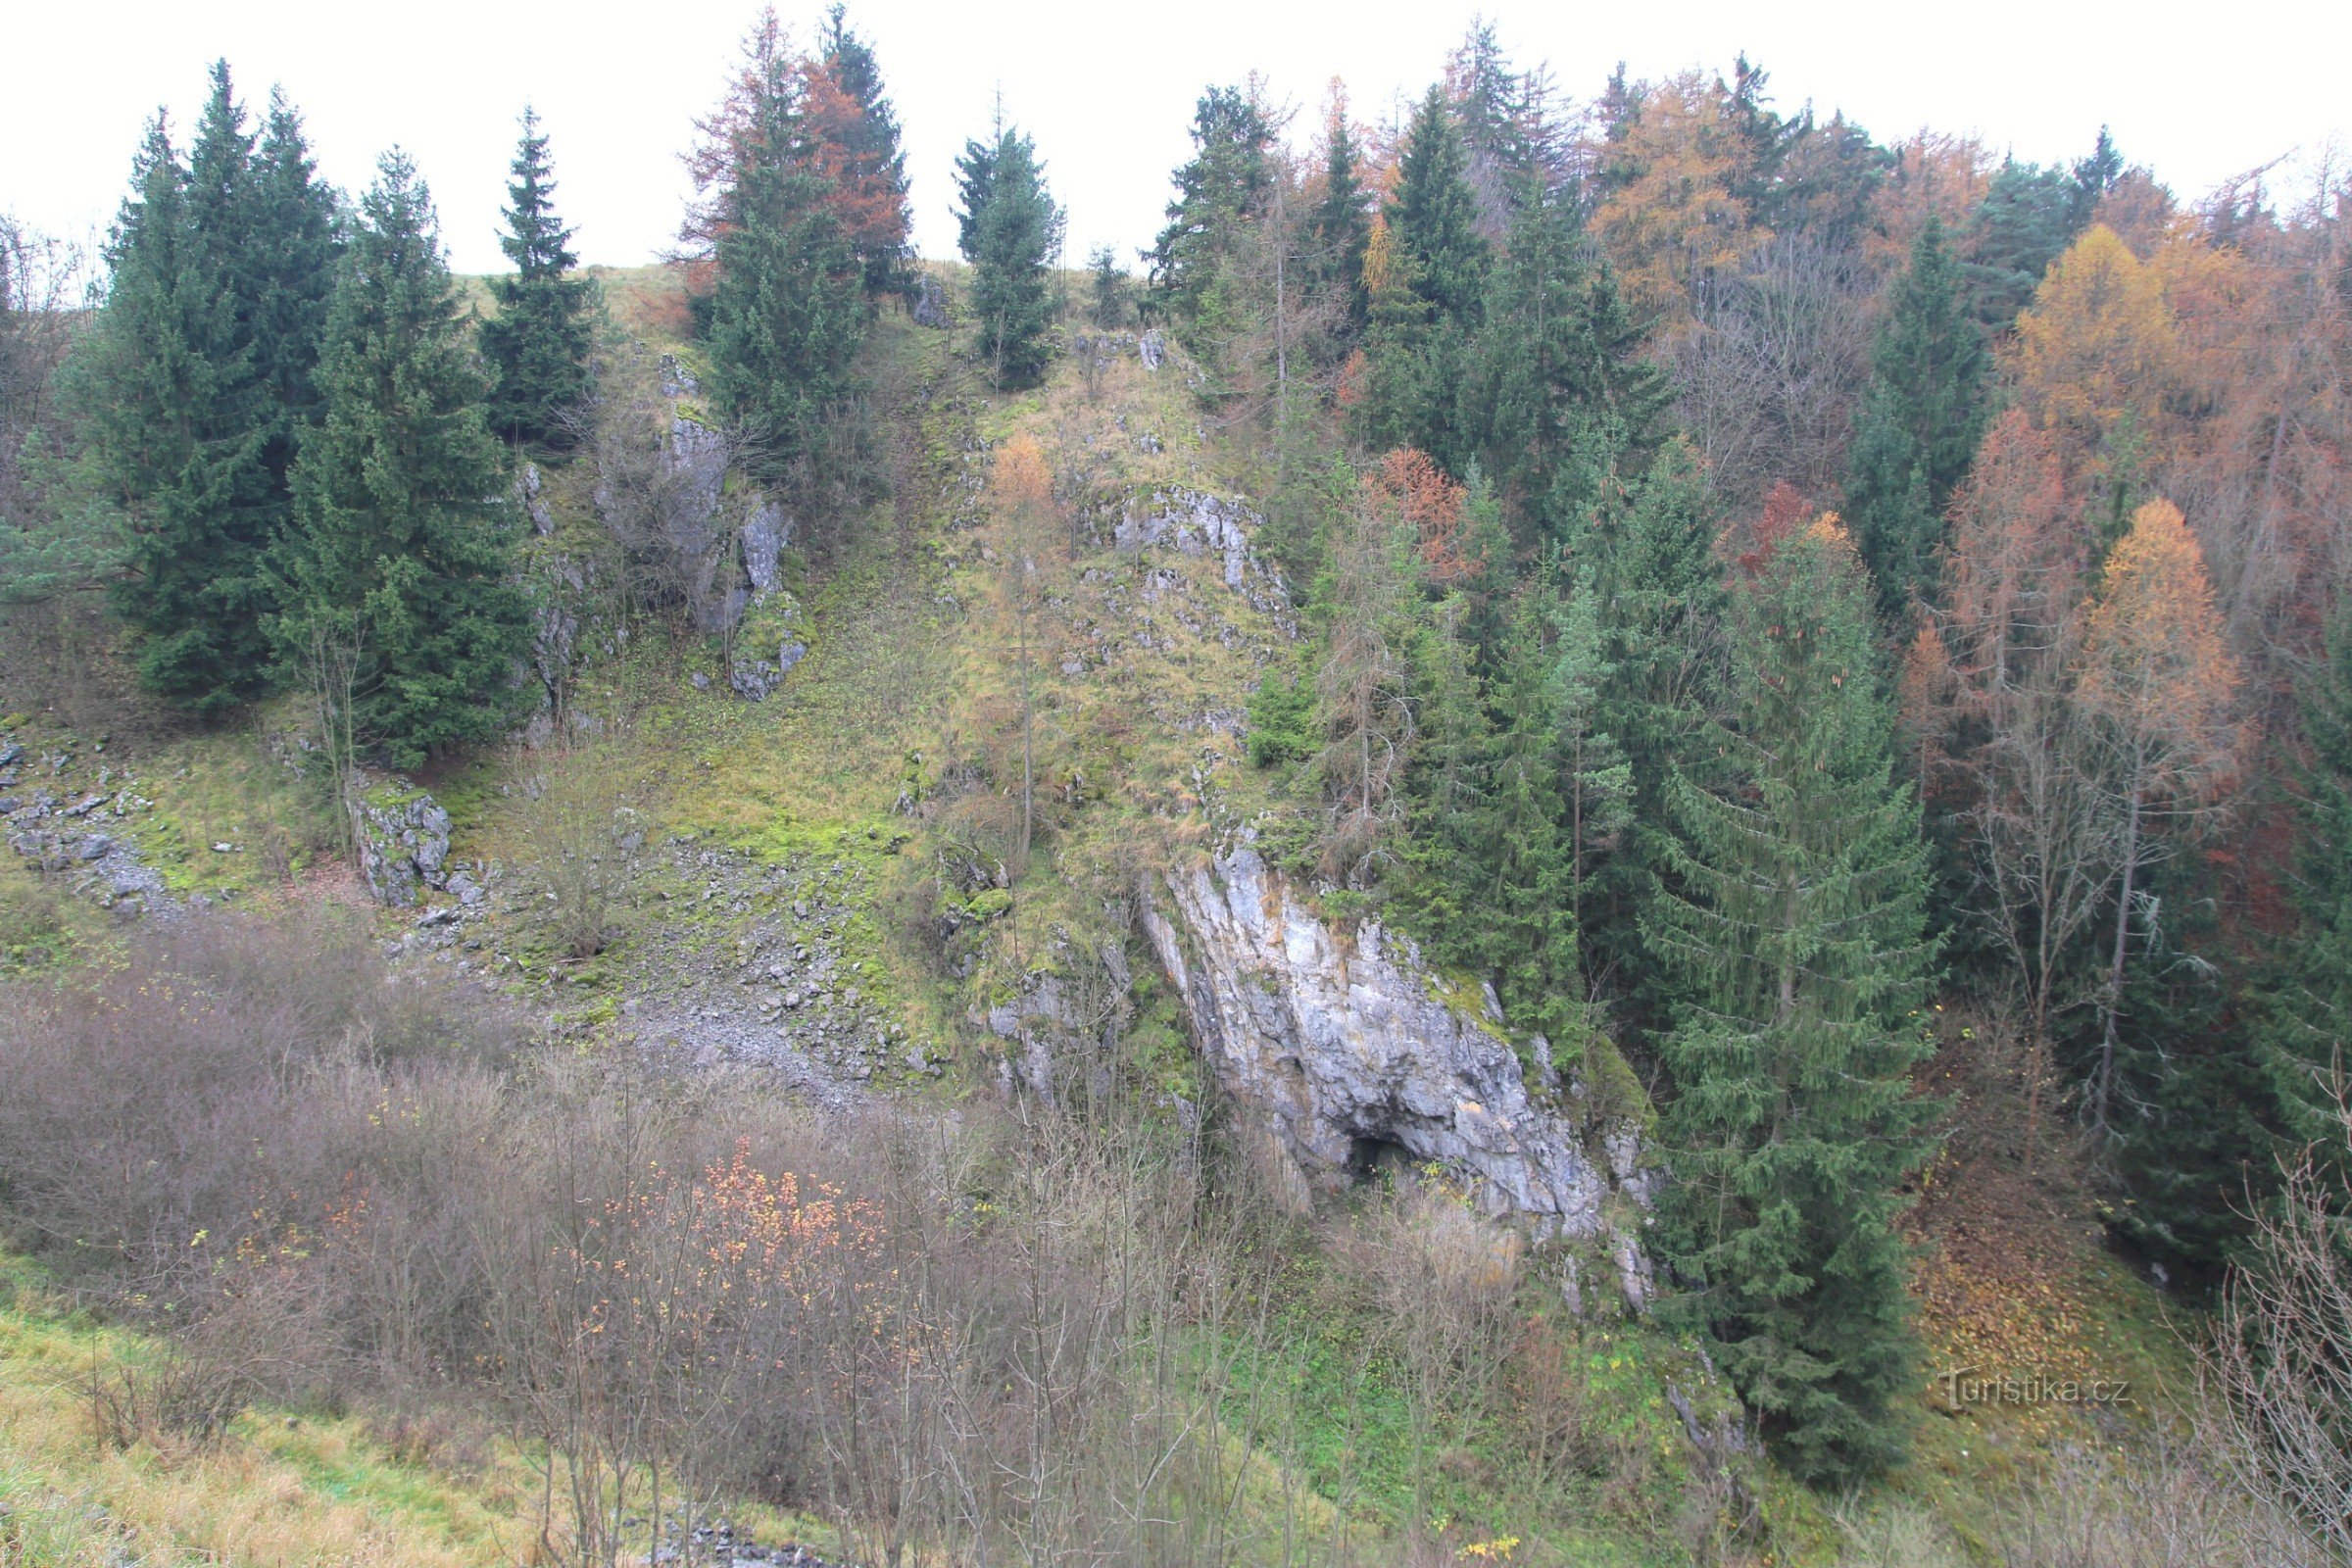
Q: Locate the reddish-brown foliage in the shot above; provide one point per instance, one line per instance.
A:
(1428, 500)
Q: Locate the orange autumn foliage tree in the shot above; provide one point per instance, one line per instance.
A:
(2160, 685)
(1430, 503)
(2094, 356)
(830, 136)
(1671, 219)
(869, 195)
(1988, 709)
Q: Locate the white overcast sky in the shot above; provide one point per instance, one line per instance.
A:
(1106, 88)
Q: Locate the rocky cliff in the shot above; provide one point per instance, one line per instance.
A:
(1343, 1050)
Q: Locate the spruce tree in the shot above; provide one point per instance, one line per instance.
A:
(1219, 189)
(1438, 889)
(1657, 598)
(2307, 1013)
(788, 310)
(975, 174)
(1558, 397)
(2197, 1110)
(537, 344)
(2028, 216)
(1435, 216)
(195, 383)
(1797, 939)
(294, 267)
(1015, 233)
(402, 562)
(1919, 422)
(1110, 307)
(1427, 307)
(1525, 902)
(1597, 779)
(1340, 228)
(150, 389)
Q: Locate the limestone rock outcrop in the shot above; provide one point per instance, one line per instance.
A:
(1342, 1048)
(404, 840)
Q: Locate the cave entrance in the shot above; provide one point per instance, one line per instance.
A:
(1371, 1159)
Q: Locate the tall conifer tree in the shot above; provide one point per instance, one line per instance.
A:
(196, 381)
(1427, 303)
(1798, 940)
(787, 310)
(1919, 424)
(1340, 228)
(1013, 236)
(1558, 396)
(1658, 603)
(2308, 1033)
(403, 556)
(1219, 189)
(537, 344)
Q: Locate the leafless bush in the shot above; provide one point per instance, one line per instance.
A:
(2283, 1354)
(659, 490)
(183, 1397)
(1444, 1280)
(583, 839)
(997, 1336)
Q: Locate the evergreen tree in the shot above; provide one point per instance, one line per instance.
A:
(1428, 288)
(1919, 424)
(2094, 177)
(1340, 228)
(1658, 605)
(537, 344)
(1558, 396)
(2028, 217)
(400, 569)
(2307, 1033)
(1798, 940)
(1110, 307)
(1435, 217)
(294, 267)
(196, 381)
(1596, 781)
(1525, 907)
(975, 174)
(2195, 1113)
(856, 129)
(787, 313)
(1443, 878)
(1765, 142)
(1015, 235)
(1221, 188)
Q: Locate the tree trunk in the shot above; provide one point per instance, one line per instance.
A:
(2115, 973)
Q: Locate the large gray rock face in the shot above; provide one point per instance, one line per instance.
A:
(1341, 1048)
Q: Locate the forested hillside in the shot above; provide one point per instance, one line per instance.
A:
(1605, 824)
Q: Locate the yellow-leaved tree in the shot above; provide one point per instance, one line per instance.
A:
(2159, 689)
(2093, 358)
(1672, 219)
